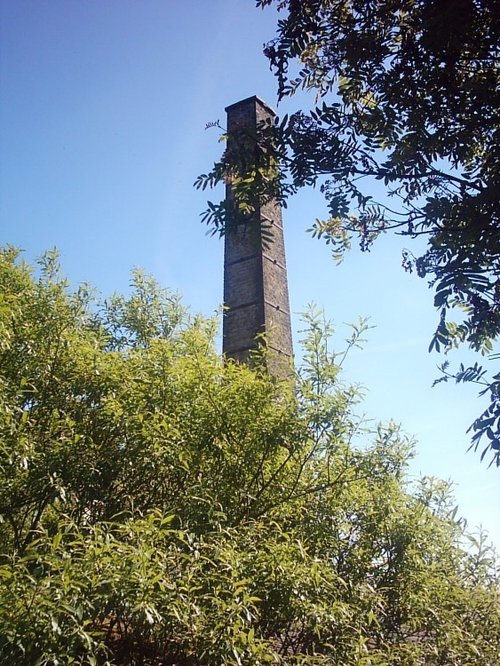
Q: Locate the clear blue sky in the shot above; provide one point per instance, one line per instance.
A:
(102, 115)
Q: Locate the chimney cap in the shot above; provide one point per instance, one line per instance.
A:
(248, 100)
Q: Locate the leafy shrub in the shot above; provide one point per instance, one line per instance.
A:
(161, 507)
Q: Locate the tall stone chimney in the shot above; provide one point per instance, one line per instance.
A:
(255, 277)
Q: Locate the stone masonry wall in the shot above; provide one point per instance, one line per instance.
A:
(255, 278)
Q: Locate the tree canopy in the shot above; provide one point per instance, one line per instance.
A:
(405, 95)
(159, 506)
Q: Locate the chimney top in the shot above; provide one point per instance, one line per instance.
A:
(248, 100)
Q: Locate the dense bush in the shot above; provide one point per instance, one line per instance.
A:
(160, 507)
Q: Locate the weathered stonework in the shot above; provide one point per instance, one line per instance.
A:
(255, 278)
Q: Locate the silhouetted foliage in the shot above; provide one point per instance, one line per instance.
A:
(406, 95)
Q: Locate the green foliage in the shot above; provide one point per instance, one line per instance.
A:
(160, 507)
(405, 96)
